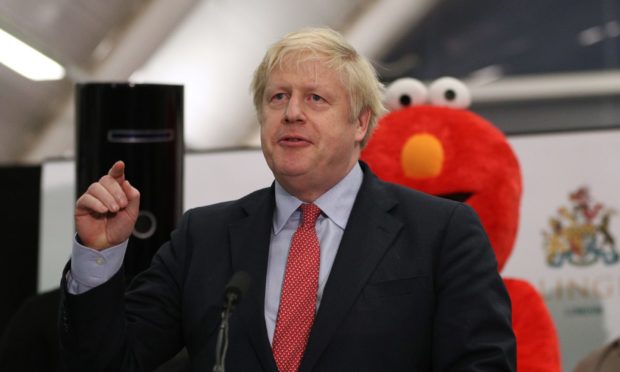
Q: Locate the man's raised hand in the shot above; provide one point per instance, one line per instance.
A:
(106, 213)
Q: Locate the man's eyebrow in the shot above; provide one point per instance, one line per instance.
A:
(277, 84)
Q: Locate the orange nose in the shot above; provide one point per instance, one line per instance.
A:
(422, 156)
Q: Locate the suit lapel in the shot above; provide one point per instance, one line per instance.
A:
(369, 232)
(249, 240)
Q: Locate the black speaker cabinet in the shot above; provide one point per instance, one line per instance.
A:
(141, 124)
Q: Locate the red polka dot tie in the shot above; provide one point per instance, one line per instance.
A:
(299, 291)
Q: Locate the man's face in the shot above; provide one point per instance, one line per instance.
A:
(307, 138)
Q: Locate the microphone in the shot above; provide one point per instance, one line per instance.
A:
(233, 292)
(236, 288)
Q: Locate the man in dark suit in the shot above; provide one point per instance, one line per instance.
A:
(385, 279)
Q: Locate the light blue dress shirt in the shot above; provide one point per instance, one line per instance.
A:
(335, 205)
(90, 268)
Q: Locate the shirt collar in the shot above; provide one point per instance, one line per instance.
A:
(336, 203)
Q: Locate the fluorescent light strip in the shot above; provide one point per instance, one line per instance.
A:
(26, 61)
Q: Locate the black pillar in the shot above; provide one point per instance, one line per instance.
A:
(141, 124)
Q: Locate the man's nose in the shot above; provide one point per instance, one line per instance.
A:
(294, 110)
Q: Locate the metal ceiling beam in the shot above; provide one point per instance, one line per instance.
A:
(547, 86)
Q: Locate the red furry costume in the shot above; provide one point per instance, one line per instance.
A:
(452, 152)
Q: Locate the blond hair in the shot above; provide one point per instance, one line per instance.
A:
(358, 75)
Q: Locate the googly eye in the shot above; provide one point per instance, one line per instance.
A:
(405, 92)
(449, 92)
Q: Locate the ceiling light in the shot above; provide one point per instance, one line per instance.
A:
(26, 61)
(591, 36)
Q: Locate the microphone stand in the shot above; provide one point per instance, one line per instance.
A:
(236, 287)
(221, 345)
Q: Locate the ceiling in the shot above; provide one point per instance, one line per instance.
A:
(503, 49)
(148, 40)
(514, 38)
(89, 38)
(74, 33)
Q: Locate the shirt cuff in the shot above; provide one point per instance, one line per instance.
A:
(91, 268)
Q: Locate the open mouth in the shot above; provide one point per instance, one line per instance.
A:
(457, 196)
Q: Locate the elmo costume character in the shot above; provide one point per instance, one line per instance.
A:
(431, 142)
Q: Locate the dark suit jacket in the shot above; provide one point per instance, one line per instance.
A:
(30, 342)
(414, 287)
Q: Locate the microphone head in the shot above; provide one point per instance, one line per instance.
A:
(237, 286)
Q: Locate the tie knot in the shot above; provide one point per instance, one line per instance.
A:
(309, 214)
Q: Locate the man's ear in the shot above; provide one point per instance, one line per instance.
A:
(361, 124)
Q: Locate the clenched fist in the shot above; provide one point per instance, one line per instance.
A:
(106, 213)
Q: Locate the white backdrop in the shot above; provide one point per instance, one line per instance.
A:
(584, 299)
